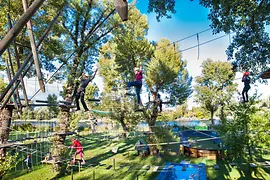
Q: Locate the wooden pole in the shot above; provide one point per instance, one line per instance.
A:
(71, 173)
(114, 164)
(10, 94)
(79, 162)
(9, 78)
(28, 59)
(34, 48)
(17, 95)
(18, 63)
(19, 25)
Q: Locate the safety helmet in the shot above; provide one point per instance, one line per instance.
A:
(136, 69)
(246, 73)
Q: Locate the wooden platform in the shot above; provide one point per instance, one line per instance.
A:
(65, 133)
(50, 162)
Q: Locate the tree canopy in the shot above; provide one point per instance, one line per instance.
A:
(117, 59)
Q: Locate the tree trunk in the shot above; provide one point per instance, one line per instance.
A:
(152, 120)
(5, 121)
(59, 149)
(212, 118)
(123, 124)
(222, 115)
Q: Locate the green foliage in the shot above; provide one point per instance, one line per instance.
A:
(40, 20)
(27, 113)
(122, 110)
(181, 110)
(166, 116)
(117, 59)
(91, 93)
(164, 66)
(131, 48)
(167, 73)
(161, 8)
(44, 113)
(248, 20)
(53, 110)
(199, 113)
(79, 21)
(215, 86)
(246, 135)
(2, 85)
(8, 163)
(74, 120)
(26, 127)
(161, 135)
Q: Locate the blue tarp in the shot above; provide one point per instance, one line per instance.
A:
(173, 171)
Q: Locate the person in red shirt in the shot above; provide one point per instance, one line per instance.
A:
(137, 83)
(79, 149)
(246, 81)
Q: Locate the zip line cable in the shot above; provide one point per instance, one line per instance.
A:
(206, 42)
(186, 38)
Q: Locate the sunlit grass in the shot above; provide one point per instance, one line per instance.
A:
(99, 151)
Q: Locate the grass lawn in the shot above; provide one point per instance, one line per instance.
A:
(98, 151)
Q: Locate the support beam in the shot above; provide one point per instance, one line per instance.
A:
(18, 63)
(42, 101)
(10, 94)
(34, 48)
(19, 25)
(28, 59)
(16, 96)
(9, 78)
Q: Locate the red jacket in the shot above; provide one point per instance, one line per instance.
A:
(77, 145)
(139, 76)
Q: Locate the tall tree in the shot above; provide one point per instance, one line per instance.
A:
(84, 28)
(166, 73)
(117, 59)
(215, 86)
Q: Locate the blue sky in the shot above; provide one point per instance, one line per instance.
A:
(190, 18)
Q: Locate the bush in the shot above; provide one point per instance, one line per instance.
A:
(24, 127)
(8, 163)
